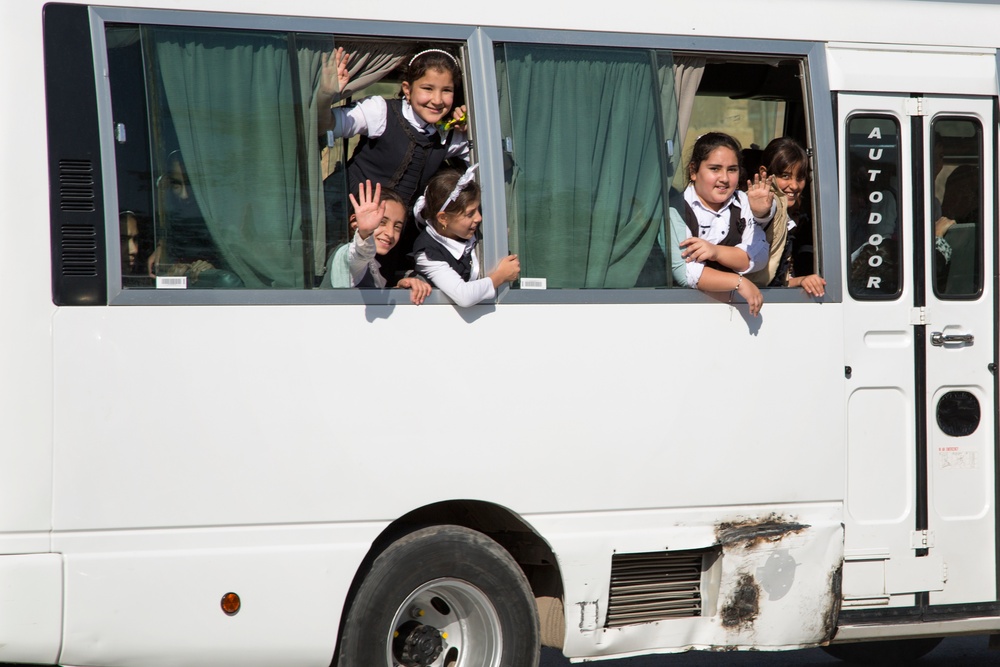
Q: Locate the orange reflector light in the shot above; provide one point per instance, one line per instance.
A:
(230, 603)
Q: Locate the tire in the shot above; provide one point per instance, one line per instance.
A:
(887, 653)
(444, 596)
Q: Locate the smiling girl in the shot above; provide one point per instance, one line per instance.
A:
(721, 225)
(401, 146)
(378, 220)
(787, 162)
(445, 251)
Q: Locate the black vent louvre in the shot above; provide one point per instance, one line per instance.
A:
(76, 186)
(79, 250)
(655, 586)
(77, 221)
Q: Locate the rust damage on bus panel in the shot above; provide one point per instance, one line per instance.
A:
(755, 532)
(762, 557)
(743, 605)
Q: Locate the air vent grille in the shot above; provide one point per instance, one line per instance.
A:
(79, 250)
(655, 586)
(76, 186)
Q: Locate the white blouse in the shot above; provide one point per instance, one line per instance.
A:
(370, 115)
(445, 278)
(713, 226)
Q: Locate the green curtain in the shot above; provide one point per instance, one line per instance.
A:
(585, 162)
(243, 107)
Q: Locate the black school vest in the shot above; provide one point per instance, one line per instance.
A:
(402, 158)
(438, 253)
(736, 225)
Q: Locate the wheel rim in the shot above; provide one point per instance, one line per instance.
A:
(447, 614)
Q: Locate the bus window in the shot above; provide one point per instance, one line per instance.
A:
(594, 144)
(222, 170)
(957, 149)
(586, 162)
(874, 243)
(221, 157)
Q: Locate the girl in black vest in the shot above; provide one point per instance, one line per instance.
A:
(723, 226)
(404, 141)
(445, 250)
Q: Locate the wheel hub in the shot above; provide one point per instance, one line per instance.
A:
(417, 645)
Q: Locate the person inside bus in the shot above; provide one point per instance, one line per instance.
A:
(378, 218)
(404, 141)
(786, 160)
(128, 224)
(959, 206)
(444, 253)
(721, 226)
(187, 247)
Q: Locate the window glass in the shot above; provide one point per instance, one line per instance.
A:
(226, 177)
(956, 210)
(873, 196)
(754, 123)
(213, 157)
(586, 163)
(596, 141)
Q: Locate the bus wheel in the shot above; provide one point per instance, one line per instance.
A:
(888, 653)
(439, 597)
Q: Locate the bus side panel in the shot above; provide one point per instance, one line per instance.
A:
(25, 333)
(31, 608)
(130, 595)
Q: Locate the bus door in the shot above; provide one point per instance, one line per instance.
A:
(920, 315)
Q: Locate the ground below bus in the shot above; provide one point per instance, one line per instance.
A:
(955, 652)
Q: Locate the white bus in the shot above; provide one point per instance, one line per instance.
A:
(244, 467)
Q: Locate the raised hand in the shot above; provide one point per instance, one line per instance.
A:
(761, 195)
(369, 209)
(333, 73)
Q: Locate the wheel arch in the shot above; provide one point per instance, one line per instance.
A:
(528, 549)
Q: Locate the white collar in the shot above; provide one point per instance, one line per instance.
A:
(692, 198)
(413, 119)
(454, 246)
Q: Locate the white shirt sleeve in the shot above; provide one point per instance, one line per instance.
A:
(682, 271)
(463, 293)
(459, 146)
(360, 254)
(367, 117)
(756, 246)
(754, 242)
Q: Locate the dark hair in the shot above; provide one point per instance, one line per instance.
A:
(392, 195)
(961, 194)
(143, 242)
(707, 143)
(440, 187)
(782, 154)
(433, 59)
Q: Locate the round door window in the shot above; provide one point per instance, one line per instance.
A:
(958, 413)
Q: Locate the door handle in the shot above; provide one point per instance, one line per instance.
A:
(939, 339)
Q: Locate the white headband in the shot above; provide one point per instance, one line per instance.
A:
(432, 51)
(462, 182)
